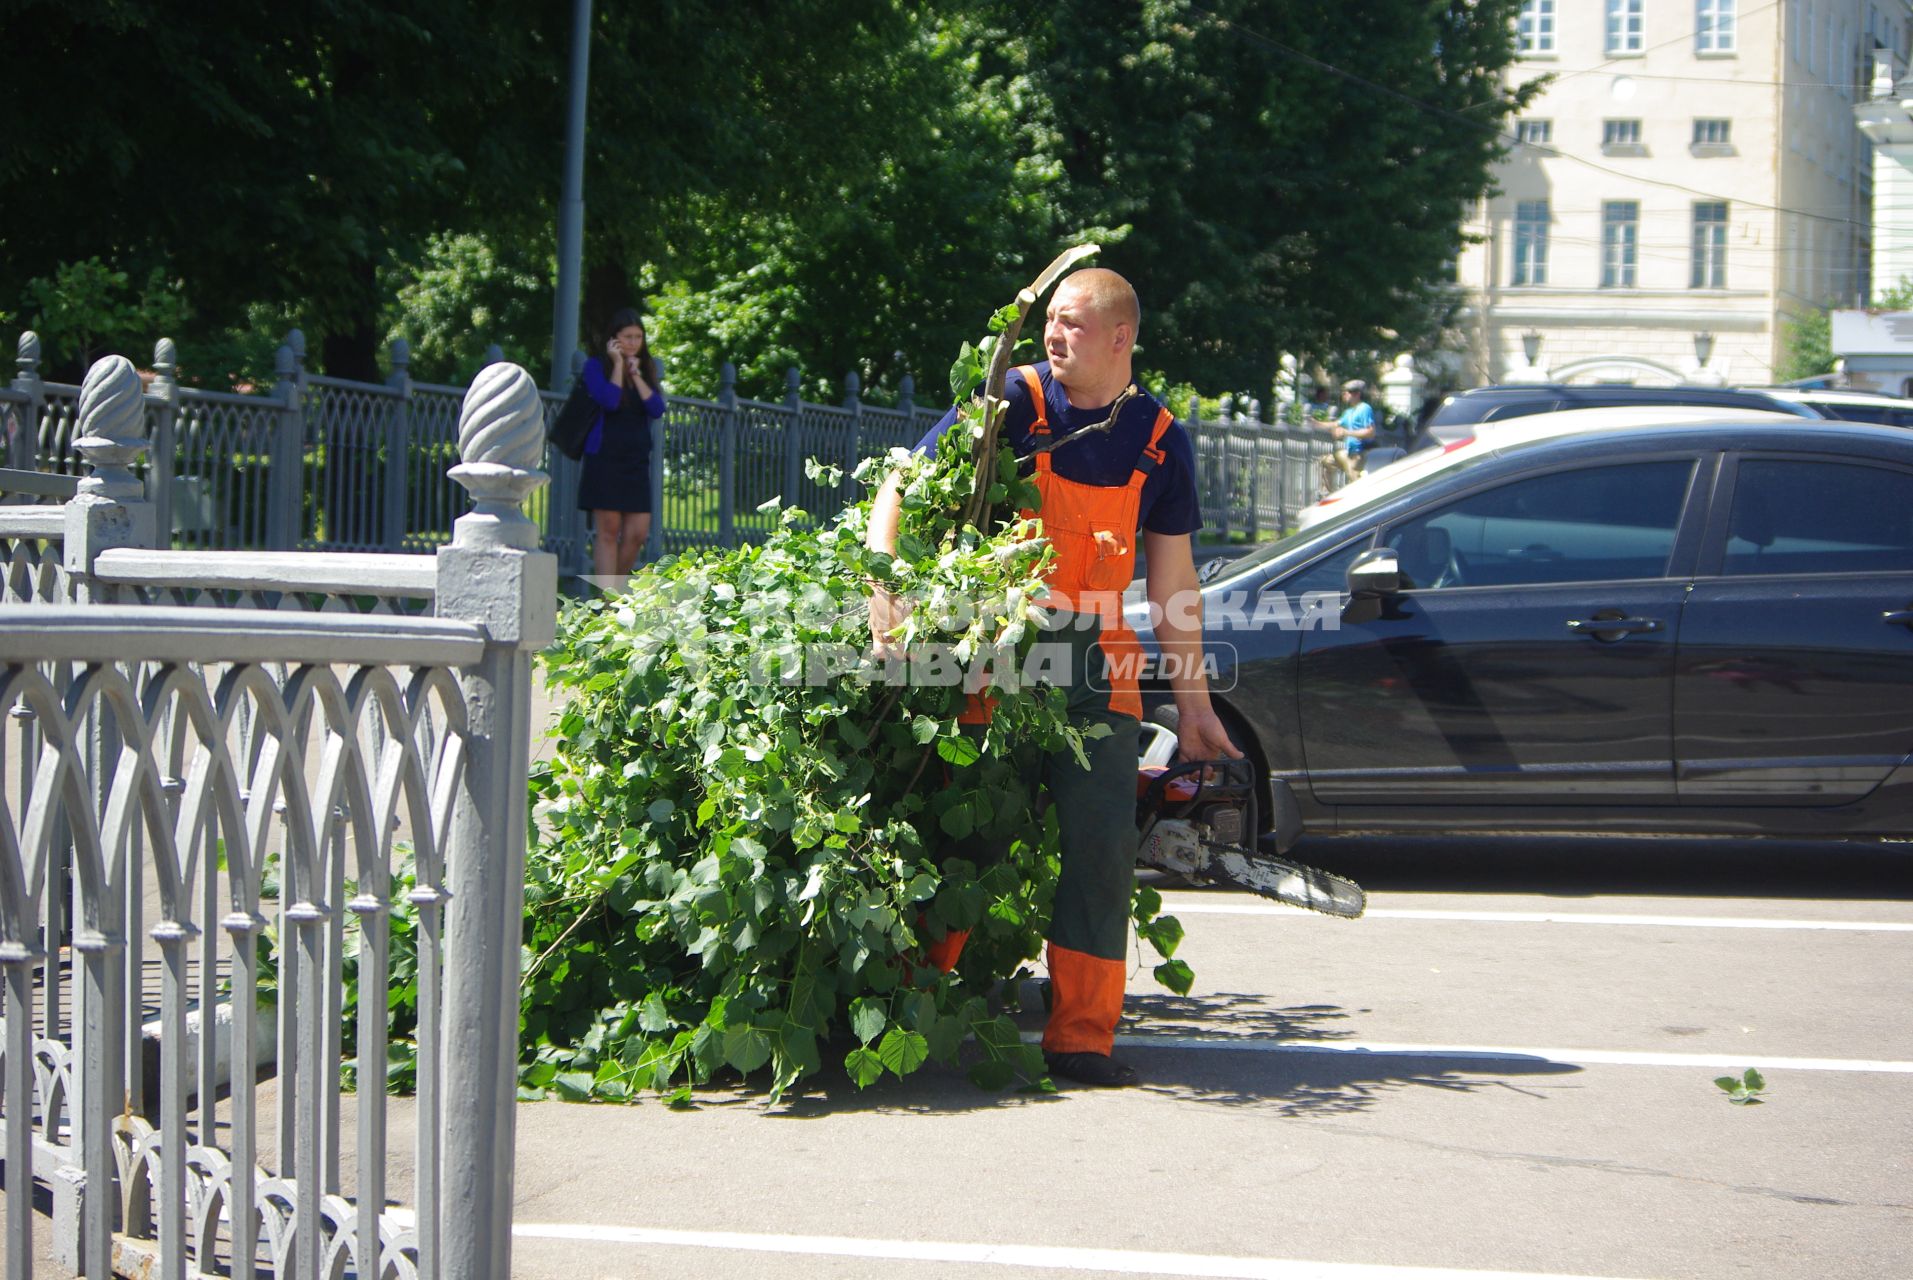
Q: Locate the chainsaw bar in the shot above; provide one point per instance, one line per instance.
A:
(1177, 845)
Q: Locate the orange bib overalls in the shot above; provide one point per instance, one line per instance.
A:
(1093, 529)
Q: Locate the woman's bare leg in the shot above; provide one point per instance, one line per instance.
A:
(605, 536)
(635, 532)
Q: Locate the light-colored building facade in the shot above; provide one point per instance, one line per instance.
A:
(1690, 179)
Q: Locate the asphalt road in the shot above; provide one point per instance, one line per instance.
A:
(1507, 1067)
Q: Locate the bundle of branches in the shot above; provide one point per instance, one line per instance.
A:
(735, 855)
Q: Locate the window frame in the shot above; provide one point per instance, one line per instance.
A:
(1612, 241)
(1624, 32)
(1523, 129)
(1535, 28)
(1530, 269)
(1716, 28)
(1707, 243)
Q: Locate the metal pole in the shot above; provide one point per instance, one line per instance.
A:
(571, 208)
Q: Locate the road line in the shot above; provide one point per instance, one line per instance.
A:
(1175, 907)
(1574, 1057)
(1120, 1261)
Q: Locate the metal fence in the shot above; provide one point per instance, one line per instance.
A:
(320, 463)
(231, 778)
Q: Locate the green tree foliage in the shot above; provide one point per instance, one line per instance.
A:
(1270, 204)
(740, 860)
(829, 183)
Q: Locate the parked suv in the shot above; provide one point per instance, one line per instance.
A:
(1459, 413)
(1849, 406)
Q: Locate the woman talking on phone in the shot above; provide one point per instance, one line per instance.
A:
(616, 485)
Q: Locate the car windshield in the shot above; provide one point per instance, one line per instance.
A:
(1267, 551)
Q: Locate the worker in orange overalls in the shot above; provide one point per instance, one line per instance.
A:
(1098, 494)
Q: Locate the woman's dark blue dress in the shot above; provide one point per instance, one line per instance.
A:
(617, 458)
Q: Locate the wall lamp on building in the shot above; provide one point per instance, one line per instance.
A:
(1703, 347)
(1531, 346)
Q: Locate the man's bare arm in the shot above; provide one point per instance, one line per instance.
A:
(1177, 597)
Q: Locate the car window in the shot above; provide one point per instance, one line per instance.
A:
(1885, 415)
(1792, 517)
(1330, 573)
(1592, 524)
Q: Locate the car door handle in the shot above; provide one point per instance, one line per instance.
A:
(1612, 628)
(1903, 617)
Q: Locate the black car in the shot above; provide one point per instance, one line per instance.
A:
(1701, 629)
(1458, 414)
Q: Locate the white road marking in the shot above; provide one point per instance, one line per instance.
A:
(1574, 1057)
(1183, 907)
(1120, 1261)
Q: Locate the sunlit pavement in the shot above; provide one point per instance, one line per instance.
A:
(1506, 1068)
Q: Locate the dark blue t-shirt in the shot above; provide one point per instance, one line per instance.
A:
(1169, 503)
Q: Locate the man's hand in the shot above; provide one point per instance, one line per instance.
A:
(887, 613)
(1200, 736)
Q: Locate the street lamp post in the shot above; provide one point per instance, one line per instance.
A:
(571, 207)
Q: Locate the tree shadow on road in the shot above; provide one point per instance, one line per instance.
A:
(1305, 1076)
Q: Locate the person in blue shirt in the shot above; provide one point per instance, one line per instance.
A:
(615, 486)
(1354, 432)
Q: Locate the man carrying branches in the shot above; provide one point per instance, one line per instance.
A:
(1110, 462)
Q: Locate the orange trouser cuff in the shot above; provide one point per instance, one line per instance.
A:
(943, 953)
(1086, 1000)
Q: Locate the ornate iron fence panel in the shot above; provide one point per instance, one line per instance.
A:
(241, 801)
(213, 817)
(223, 448)
(432, 500)
(691, 447)
(349, 462)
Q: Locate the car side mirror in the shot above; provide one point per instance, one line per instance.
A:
(1375, 576)
(1376, 572)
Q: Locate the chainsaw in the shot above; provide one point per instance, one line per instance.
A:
(1198, 821)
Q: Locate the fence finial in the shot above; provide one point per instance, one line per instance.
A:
(165, 357)
(907, 394)
(401, 355)
(28, 357)
(296, 341)
(501, 440)
(112, 417)
(793, 381)
(726, 380)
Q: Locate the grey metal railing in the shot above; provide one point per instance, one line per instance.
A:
(205, 751)
(320, 463)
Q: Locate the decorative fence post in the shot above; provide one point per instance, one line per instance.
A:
(793, 436)
(285, 511)
(727, 456)
(492, 574)
(907, 401)
(159, 462)
(400, 467)
(24, 440)
(109, 511)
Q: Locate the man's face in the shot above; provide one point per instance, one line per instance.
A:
(1084, 346)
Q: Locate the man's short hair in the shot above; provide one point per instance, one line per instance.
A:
(1109, 294)
(1356, 385)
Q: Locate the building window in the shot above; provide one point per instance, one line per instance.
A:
(1538, 133)
(1713, 138)
(1531, 242)
(1534, 28)
(1713, 26)
(1622, 138)
(1620, 237)
(1624, 26)
(1710, 245)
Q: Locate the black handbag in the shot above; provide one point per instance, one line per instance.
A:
(574, 421)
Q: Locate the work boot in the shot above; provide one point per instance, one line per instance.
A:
(1098, 1069)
